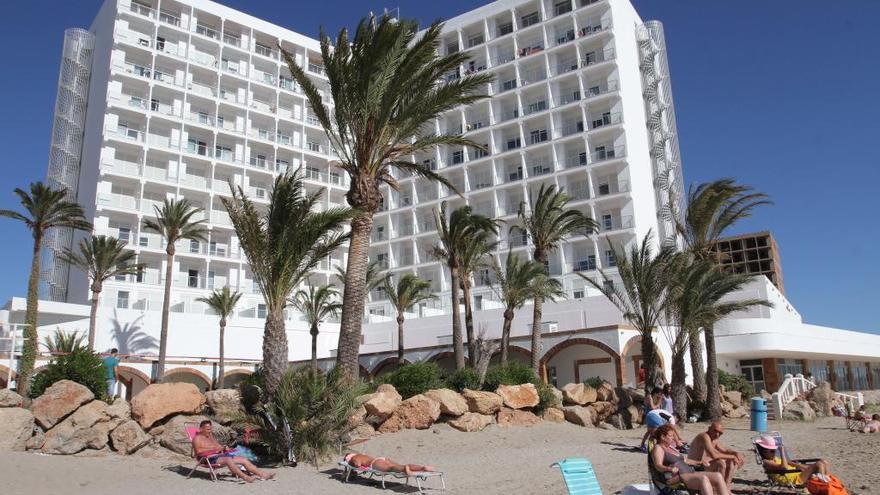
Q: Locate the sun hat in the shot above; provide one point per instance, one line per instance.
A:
(768, 443)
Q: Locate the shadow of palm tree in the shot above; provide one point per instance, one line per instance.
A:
(130, 337)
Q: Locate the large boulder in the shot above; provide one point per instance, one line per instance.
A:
(637, 395)
(605, 393)
(482, 402)
(823, 397)
(16, 427)
(519, 396)
(636, 414)
(471, 421)
(383, 402)
(88, 427)
(733, 396)
(553, 415)
(128, 437)
(515, 417)
(557, 398)
(174, 437)
(358, 417)
(119, 410)
(579, 415)
(799, 410)
(624, 398)
(8, 398)
(578, 394)
(451, 402)
(36, 442)
(160, 400)
(738, 412)
(225, 404)
(362, 430)
(603, 410)
(418, 412)
(58, 401)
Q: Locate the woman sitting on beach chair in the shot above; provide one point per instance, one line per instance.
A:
(784, 471)
(675, 467)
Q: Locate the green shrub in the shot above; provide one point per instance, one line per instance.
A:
(595, 381)
(546, 398)
(512, 374)
(81, 366)
(317, 408)
(462, 379)
(736, 382)
(414, 379)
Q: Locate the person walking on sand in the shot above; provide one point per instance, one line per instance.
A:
(706, 447)
(204, 444)
(111, 364)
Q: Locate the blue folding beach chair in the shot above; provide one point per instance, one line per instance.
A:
(580, 479)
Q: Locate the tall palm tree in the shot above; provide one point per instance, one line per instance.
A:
(45, 208)
(455, 232)
(222, 301)
(712, 209)
(475, 255)
(409, 291)
(641, 296)
(101, 258)
(317, 304)
(548, 222)
(283, 244)
(175, 221)
(375, 276)
(513, 285)
(386, 84)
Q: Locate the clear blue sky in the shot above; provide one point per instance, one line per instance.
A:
(781, 95)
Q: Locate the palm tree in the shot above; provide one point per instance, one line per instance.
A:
(45, 208)
(386, 84)
(712, 209)
(475, 255)
(317, 304)
(409, 291)
(283, 244)
(375, 276)
(175, 221)
(455, 232)
(222, 301)
(101, 258)
(63, 342)
(641, 296)
(513, 285)
(548, 223)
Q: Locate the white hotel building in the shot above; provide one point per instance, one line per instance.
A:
(163, 98)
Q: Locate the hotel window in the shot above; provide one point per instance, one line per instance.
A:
(789, 366)
(753, 371)
(530, 19)
(610, 259)
(842, 376)
(875, 370)
(122, 299)
(261, 310)
(860, 376)
(819, 371)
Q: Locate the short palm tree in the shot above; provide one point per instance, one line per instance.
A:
(641, 296)
(101, 258)
(387, 83)
(63, 342)
(513, 286)
(45, 208)
(409, 291)
(317, 304)
(475, 255)
(375, 276)
(548, 222)
(222, 301)
(712, 209)
(175, 221)
(283, 244)
(455, 232)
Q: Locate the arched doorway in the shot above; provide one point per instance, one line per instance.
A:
(515, 355)
(188, 375)
(632, 359)
(576, 360)
(386, 366)
(131, 382)
(445, 361)
(233, 378)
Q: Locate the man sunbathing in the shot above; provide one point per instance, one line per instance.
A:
(384, 464)
(707, 447)
(872, 426)
(204, 444)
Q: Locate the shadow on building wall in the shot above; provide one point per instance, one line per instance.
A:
(131, 338)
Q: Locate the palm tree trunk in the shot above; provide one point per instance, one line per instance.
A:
(400, 319)
(649, 360)
(221, 368)
(314, 332)
(469, 323)
(697, 370)
(713, 390)
(30, 334)
(537, 317)
(505, 335)
(93, 319)
(457, 344)
(275, 360)
(166, 310)
(354, 295)
(679, 389)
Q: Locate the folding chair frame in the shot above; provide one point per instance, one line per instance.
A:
(760, 460)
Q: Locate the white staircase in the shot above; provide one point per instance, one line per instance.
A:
(794, 386)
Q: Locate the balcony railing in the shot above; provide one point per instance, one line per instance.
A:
(142, 10)
(169, 18)
(232, 40)
(127, 133)
(258, 162)
(202, 89)
(138, 70)
(593, 58)
(607, 154)
(562, 8)
(578, 191)
(606, 120)
(569, 129)
(569, 97)
(263, 50)
(207, 31)
(532, 76)
(584, 265)
(117, 201)
(573, 161)
(612, 188)
(317, 69)
(617, 223)
(123, 167)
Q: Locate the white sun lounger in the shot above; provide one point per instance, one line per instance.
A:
(420, 476)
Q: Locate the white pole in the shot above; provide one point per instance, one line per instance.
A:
(11, 359)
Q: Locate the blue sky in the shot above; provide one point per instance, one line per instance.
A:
(781, 95)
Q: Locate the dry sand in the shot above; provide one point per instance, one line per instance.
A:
(494, 461)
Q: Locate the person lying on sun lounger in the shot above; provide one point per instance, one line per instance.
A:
(384, 464)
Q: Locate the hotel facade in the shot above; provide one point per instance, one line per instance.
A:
(166, 99)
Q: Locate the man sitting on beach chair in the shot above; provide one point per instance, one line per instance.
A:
(707, 447)
(207, 448)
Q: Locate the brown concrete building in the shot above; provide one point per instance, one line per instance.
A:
(755, 254)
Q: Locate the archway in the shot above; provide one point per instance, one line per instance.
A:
(131, 382)
(232, 378)
(386, 366)
(575, 360)
(445, 361)
(5, 375)
(632, 359)
(188, 375)
(515, 354)
(364, 374)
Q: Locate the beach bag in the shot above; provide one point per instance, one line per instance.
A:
(817, 486)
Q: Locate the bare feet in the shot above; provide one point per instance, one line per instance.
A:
(267, 476)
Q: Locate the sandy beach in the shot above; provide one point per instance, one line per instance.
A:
(494, 461)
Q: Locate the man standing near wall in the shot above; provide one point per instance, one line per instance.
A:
(111, 362)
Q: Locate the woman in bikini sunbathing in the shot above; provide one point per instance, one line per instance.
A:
(384, 464)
